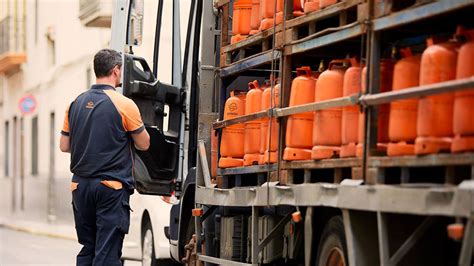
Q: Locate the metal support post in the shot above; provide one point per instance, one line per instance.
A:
(204, 164)
(198, 229)
(308, 236)
(373, 84)
(254, 240)
(383, 239)
(285, 89)
(350, 241)
(467, 245)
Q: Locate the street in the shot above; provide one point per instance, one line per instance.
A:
(20, 248)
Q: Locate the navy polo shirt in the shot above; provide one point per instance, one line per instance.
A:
(99, 123)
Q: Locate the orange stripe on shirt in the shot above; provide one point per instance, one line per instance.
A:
(128, 110)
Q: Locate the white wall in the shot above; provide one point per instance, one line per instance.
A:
(56, 86)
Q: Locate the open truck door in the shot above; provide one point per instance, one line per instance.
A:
(155, 170)
(159, 170)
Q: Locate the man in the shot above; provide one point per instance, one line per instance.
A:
(99, 128)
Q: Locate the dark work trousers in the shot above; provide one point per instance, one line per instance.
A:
(102, 217)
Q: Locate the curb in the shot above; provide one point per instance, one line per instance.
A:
(37, 232)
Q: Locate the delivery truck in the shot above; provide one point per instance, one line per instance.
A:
(330, 132)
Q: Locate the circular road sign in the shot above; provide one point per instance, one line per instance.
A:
(27, 104)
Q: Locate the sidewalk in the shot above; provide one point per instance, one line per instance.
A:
(32, 217)
(56, 230)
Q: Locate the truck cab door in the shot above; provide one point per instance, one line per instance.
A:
(155, 170)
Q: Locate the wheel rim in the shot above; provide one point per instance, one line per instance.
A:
(147, 251)
(335, 258)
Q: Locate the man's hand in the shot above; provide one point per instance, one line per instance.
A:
(141, 140)
(64, 144)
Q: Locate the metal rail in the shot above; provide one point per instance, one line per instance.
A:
(421, 12)
(241, 119)
(364, 100)
(313, 42)
(247, 169)
(435, 200)
(426, 160)
(337, 102)
(321, 164)
(219, 261)
(251, 40)
(437, 88)
(248, 63)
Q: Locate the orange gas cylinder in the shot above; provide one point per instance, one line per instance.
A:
(255, 17)
(214, 145)
(267, 8)
(350, 114)
(325, 3)
(241, 17)
(253, 104)
(327, 122)
(386, 77)
(268, 12)
(237, 38)
(311, 5)
(269, 140)
(297, 10)
(463, 124)
(299, 130)
(232, 140)
(435, 113)
(402, 122)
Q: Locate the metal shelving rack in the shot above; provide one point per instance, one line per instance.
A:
(351, 196)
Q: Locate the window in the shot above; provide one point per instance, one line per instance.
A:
(34, 146)
(7, 149)
(22, 150)
(14, 147)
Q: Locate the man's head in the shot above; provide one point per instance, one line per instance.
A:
(107, 65)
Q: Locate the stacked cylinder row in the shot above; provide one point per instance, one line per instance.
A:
(426, 125)
(256, 141)
(252, 16)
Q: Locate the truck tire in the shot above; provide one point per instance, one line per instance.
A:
(148, 246)
(332, 249)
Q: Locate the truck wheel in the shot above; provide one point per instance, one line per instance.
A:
(332, 247)
(148, 246)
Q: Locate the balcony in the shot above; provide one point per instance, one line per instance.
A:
(95, 13)
(12, 46)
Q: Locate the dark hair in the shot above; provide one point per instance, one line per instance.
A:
(105, 60)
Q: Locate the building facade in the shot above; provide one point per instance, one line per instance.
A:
(46, 53)
(45, 62)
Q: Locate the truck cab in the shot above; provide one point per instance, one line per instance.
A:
(170, 111)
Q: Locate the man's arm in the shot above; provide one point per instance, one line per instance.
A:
(64, 141)
(141, 140)
(64, 144)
